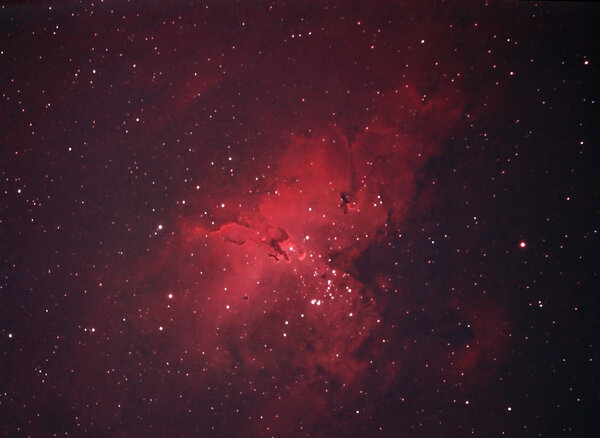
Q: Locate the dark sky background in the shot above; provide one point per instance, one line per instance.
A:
(299, 219)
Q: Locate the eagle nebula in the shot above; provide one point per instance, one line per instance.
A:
(298, 219)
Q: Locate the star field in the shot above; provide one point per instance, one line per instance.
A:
(298, 219)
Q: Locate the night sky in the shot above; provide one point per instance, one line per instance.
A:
(299, 219)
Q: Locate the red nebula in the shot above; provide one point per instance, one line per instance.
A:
(275, 290)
